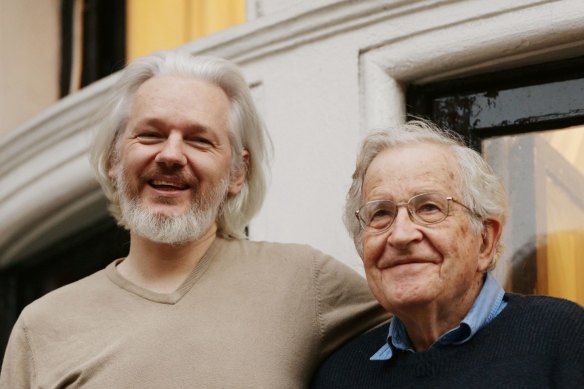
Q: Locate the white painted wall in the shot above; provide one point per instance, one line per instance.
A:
(327, 71)
(320, 98)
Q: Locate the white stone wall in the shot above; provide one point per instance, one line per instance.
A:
(343, 71)
(324, 73)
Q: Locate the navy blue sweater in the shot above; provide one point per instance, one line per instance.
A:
(536, 342)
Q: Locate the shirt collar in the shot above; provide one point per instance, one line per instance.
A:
(486, 307)
(397, 337)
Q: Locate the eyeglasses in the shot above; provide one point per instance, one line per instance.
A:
(423, 209)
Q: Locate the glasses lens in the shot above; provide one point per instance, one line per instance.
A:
(429, 207)
(377, 215)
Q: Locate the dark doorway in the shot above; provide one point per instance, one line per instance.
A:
(66, 261)
(93, 41)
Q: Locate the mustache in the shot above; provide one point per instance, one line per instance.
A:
(176, 172)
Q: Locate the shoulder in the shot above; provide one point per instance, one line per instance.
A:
(297, 260)
(64, 299)
(277, 250)
(546, 317)
(280, 254)
(551, 324)
(548, 306)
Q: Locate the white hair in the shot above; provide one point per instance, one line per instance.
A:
(480, 189)
(246, 131)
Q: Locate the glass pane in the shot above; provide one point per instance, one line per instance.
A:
(503, 107)
(544, 237)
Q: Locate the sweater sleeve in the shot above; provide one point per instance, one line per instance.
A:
(346, 307)
(18, 363)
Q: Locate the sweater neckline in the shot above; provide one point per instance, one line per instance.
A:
(164, 298)
(514, 306)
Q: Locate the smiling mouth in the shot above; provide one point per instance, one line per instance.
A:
(401, 262)
(168, 185)
(407, 263)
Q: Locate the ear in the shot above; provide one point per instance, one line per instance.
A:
(492, 229)
(239, 176)
(112, 170)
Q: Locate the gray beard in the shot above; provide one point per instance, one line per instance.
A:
(171, 230)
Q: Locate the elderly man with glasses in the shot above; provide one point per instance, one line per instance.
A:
(426, 214)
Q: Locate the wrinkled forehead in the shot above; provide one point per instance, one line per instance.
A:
(411, 169)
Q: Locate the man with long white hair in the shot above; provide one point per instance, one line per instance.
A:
(180, 154)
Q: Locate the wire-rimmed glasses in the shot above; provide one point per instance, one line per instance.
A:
(423, 209)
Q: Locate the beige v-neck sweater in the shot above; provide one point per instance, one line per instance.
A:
(250, 315)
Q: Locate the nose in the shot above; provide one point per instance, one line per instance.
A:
(172, 152)
(403, 231)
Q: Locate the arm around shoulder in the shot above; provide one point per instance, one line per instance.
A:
(346, 306)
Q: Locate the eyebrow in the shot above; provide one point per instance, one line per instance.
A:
(191, 128)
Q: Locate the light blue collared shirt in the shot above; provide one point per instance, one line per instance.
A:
(486, 307)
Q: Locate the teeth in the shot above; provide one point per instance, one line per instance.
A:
(168, 183)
